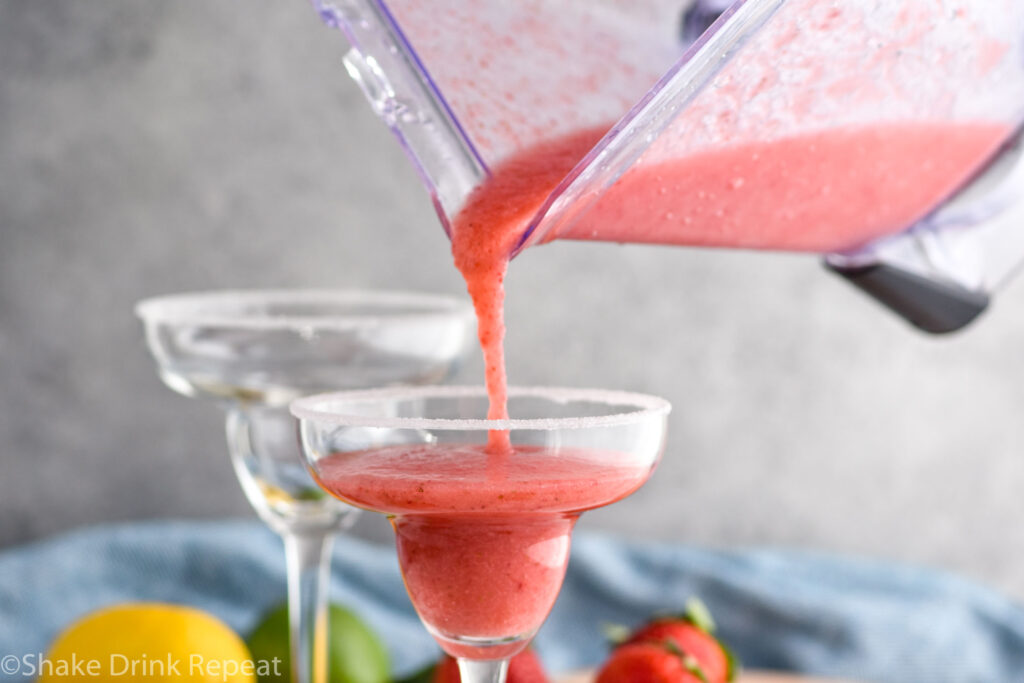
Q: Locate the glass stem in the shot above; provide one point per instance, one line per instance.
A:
(308, 576)
(483, 671)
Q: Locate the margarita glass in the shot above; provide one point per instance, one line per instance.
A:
(482, 534)
(253, 352)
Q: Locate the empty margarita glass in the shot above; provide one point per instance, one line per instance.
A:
(482, 534)
(253, 352)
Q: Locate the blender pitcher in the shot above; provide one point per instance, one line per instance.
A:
(878, 133)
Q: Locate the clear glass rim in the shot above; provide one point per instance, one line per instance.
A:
(212, 308)
(310, 408)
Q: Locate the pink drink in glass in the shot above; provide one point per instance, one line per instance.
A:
(483, 540)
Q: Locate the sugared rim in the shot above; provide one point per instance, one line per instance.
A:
(311, 408)
(214, 307)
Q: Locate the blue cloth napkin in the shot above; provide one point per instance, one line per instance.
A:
(870, 622)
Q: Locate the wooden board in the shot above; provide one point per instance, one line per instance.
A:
(747, 677)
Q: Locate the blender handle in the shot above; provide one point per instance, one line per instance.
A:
(402, 94)
(930, 305)
(939, 275)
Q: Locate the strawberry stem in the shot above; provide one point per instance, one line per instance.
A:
(698, 614)
(615, 634)
(732, 662)
(689, 661)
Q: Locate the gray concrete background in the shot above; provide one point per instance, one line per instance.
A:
(148, 148)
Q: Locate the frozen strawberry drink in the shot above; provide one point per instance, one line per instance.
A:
(483, 536)
(483, 547)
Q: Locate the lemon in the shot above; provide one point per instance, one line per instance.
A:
(355, 653)
(148, 642)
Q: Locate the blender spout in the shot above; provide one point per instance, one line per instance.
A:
(404, 96)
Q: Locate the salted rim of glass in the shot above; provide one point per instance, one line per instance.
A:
(214, 307)
(309, 408)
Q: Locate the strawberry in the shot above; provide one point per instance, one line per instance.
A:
(650, 663)
(525, 667)
(685, 641)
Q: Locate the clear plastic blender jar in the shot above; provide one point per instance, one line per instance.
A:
(877, 133)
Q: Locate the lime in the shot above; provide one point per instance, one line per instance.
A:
(355, 653)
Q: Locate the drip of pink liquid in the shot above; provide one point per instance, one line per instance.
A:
(824, 191)
(484, 234)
